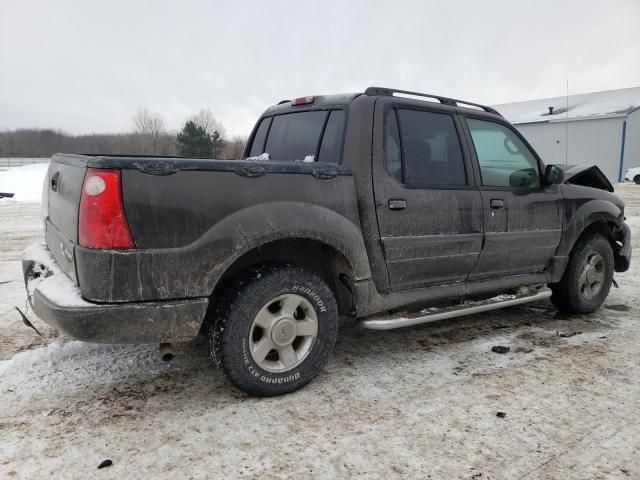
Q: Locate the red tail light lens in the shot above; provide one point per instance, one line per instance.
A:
(103, 223)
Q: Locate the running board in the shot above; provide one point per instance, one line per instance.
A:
(433, 315)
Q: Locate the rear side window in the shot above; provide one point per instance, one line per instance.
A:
(392, 157)
(430, 149)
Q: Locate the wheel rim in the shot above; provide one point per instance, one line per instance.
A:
(592, 276)
(283, 333)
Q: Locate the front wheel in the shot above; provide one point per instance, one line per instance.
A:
(636, 179)
(587, 279)
(274, 329)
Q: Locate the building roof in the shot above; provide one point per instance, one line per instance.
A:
(585, 105)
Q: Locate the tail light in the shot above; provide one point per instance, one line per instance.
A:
(102, 222)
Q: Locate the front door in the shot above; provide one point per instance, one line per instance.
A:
(522, 217)
(428, 208)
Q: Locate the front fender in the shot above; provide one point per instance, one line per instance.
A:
(585, 215)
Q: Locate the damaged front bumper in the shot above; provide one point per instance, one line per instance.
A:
(622, 255)
(57, 301)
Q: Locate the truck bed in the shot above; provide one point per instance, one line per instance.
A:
(188, 218)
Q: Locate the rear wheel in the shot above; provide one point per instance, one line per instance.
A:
(587, 279)
(636, 179)
(274, 330)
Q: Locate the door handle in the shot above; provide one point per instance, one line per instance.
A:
(54, 181)
(496, 203)
(397, 204)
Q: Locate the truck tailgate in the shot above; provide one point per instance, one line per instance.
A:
(64, 189)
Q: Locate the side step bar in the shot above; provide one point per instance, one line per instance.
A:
(501, 301)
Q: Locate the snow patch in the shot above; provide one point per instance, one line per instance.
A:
(39, 253)
(260, 158)
(60, 290)
(24, 182)
(52, 354)
(581, 105)
(53, 283)
(309, 159)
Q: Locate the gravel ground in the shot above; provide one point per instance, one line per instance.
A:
(416, 403)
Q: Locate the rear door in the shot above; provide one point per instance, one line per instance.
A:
(428, 208)
(522, 218)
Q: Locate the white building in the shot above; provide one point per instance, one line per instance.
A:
(599, 128)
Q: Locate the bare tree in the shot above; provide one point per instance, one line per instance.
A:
(150, 125)
(205, 119)
(232, 149)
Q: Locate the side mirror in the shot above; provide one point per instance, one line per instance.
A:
(553, 174)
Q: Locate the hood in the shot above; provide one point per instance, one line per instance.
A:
(587, 176)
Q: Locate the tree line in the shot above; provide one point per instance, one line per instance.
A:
(201, 136)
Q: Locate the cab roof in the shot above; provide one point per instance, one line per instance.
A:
(347, 98)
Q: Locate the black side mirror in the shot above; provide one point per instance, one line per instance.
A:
(553, 174)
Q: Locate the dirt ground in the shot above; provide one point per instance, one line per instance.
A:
(416, 403)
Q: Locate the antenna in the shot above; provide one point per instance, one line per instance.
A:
(566, 128)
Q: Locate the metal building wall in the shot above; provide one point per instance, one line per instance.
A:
(591, 142)
(632, 141)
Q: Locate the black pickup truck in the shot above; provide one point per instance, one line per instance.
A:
(391, 207)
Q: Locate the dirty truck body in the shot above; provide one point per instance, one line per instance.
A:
(370, 204)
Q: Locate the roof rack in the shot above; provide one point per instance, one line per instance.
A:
(372, 91)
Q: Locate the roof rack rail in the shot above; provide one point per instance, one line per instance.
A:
(372, 91)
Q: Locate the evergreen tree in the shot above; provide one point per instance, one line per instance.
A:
(218, 141)
(193, 141)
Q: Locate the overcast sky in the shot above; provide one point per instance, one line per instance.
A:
(85, 66)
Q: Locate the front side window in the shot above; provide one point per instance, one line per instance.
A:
(429, 147)
(505, 161)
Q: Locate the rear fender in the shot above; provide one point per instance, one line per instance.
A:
(259, 225)
(194, 270)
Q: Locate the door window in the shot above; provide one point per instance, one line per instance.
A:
(505, 161)
(429, 149)
(393, 156)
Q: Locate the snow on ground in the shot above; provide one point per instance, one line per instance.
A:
(25, 182)
(412, 403)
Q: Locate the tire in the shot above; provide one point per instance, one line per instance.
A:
(254, 313)
(636, 179)
(587, 279)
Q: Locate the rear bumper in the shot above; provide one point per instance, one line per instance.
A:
(57, 301)
(622, 257)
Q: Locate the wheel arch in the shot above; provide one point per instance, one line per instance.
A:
(316, 256)
(307, 235)
(596, 216)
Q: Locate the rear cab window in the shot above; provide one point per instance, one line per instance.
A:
(307, 136)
